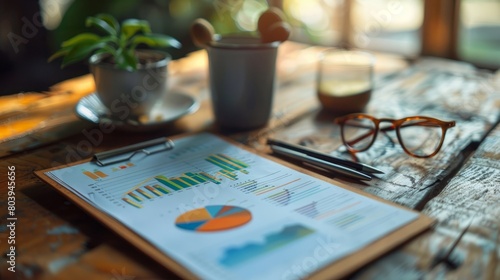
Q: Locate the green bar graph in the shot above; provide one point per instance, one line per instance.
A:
(230, 174)
(153, 190)
(225, 162)
(135, 204)
(229, 168)
(145, 194)
(167, 182)
(195, 177)
(210, 177)
(134, 196)
(161, 189)
(220, 164)
(180, 182)
(188, 180)
(233, 160)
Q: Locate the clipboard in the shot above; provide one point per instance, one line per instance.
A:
(336, 270)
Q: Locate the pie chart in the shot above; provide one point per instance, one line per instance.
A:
(213, 218)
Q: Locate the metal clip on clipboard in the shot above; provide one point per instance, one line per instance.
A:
(123, 154)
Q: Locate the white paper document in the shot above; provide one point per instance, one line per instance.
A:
(225, 213)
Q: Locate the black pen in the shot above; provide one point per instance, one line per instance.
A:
(354, 165)
(320, 163)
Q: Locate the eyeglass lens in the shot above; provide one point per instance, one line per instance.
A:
(359, 133)
(420, 137)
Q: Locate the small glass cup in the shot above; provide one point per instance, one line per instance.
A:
(345, 80)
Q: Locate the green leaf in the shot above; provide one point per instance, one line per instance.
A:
(81, 38)
(101, 24)
(126, 61)
(110, 20)
(132, 26)
(155, 40)
(131, 60)
(59, 53)
(80, 52)
(106, 49)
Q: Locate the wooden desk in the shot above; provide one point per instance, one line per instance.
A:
(460, 187)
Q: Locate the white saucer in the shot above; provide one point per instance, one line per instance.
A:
(175, 105)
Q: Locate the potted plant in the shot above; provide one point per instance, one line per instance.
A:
(129, 80)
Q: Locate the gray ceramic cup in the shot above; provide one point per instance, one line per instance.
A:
(242, 74)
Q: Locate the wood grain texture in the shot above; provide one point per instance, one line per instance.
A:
(435, 88)
(470, 203)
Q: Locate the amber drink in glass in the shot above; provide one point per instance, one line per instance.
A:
(345, 80)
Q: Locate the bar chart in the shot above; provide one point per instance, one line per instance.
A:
(137, 197)
(226, 167)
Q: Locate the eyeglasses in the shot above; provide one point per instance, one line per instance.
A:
(420, 136)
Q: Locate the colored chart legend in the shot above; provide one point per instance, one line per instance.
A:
(98, 174)
(95, 175)
(124, 166)
(213, 218)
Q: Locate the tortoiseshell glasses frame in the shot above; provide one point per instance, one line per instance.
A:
(359, 131)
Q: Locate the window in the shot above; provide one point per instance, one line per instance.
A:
(459, 29)
(387, 25)
(316, 21)
(479, 32)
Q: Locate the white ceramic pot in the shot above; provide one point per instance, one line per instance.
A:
(131, 94)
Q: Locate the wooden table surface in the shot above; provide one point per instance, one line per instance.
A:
(460, 187)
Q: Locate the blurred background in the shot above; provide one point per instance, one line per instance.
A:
(468, 30)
